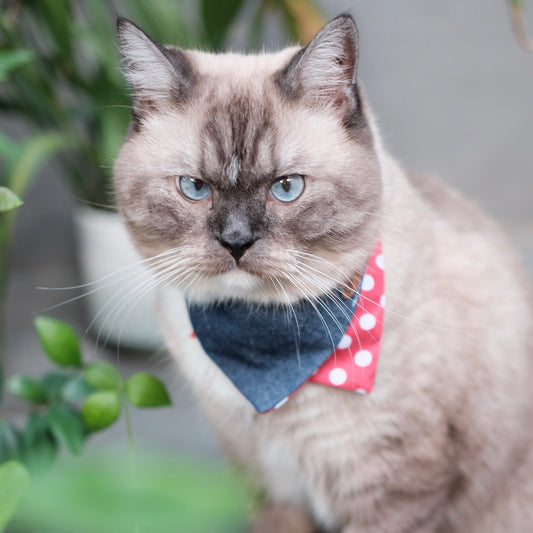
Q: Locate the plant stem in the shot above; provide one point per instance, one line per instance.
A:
(6, 221)
(130, 435)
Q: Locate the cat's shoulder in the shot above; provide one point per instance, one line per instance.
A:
(450, 203)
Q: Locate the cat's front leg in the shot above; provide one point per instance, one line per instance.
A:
(283, 519)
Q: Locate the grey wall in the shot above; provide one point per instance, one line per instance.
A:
(453, 93)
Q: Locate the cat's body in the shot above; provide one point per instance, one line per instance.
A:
(444, 442)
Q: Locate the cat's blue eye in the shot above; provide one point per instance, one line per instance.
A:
(288, 188)
(193, 188)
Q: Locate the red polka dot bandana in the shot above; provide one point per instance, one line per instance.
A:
(269, 352)
(352, 365)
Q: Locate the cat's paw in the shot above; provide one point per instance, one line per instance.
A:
(283, 519)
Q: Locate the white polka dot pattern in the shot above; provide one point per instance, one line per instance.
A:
(338, 376)
(367, 321)
(345, 342)
(353, 364)
(363, 358)
(368, 283)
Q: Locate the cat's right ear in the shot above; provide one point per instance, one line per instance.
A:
(158, 75)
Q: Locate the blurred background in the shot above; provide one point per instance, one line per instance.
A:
(449, 83)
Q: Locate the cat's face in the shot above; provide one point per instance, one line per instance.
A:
(249, 176)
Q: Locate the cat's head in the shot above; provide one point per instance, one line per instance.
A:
(249, 176)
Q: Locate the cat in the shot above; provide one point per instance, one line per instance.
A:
(258, 185)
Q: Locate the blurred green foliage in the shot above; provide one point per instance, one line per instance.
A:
(97, 493)
(66, 406)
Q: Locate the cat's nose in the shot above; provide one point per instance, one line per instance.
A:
(237, 243)
(236, 234)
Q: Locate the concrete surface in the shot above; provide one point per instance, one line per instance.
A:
(454, 96)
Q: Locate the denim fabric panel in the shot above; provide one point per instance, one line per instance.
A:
(270, 351)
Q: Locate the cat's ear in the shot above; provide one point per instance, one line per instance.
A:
(324, 72)
(157, 74)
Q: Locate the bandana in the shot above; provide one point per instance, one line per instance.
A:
(270, 351)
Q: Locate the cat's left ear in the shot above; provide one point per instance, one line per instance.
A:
(324, 72)
(158, 74)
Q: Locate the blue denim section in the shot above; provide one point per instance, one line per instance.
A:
(270, 351)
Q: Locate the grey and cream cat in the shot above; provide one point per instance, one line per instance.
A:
(262, 179)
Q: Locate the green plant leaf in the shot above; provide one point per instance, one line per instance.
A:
(40, 445)
(145, 390)
(34, 152)
(10, 442)
(53, 383)
(8, 200)
(59, 341)
(67, 427)
(10, 150)
(12, 59)
(26, 388)
(101, 409)
(76, 388)
(217, 17)
(103, 376)
(14, 481)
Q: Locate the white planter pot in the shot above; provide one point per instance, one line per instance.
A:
(119, 296)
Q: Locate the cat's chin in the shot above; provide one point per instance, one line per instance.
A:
(235, 284)
(240, 285)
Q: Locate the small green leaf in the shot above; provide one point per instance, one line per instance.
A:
(101, 409)
(26, 388)
(75, 389)
(59, 341)
(145, 390)
(40, 445)
(14, 481)
(102, 375)
(10, 441)
(67, 427)
(8, 200)
(53, 383)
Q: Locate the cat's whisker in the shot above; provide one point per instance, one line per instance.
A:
(342, 306)
(313, 301)
(342, 285)
(337, 283)
(339, 303)
(142, 262)
(186, 281)
(127, 293)
(140, 292)
(292, 310)
(134, 276)
(130, 292)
